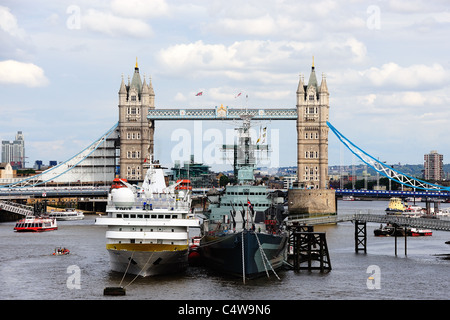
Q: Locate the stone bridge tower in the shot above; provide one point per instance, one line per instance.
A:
(135, 130)
(310, 196)
(312, 133)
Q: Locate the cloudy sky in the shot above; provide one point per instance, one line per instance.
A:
(386, 64)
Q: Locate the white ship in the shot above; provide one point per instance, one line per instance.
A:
(68, 214)
(148, 227)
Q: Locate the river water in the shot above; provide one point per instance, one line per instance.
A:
(28, 270)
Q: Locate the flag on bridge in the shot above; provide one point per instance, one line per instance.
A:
(199, 94)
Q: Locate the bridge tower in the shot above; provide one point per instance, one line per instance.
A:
(135, 130)
(312, 132)
(310, 195)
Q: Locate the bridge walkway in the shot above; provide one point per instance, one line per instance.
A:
(426, 223)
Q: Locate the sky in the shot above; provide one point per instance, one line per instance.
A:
(385, 61)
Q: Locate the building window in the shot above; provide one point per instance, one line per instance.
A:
(133, 98)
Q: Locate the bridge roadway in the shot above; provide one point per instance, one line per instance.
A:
(53, 192)
(425, 223)
(390, 193)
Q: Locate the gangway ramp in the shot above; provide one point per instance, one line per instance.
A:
(16, 208)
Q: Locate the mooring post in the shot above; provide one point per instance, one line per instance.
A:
(395, 236)
(406, 236)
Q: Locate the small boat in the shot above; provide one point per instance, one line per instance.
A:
(35, 224)
(394, 230)
(396, 206)
(61, 251)
(68, 214)
(389, 231)
(415, 232)
(194, 257)
(348, 198)
(413, 211)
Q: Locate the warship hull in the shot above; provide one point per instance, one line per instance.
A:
(240, 253)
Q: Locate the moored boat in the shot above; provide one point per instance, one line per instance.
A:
(35, 224)
(252, 242)
(417, 232)
(67, 214)
(395, 206)
(392, 230)
(148, 226)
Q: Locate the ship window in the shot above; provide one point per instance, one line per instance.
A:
(173, 230)
(132, 241)
(146, 216)
(132, 216)
(125, 215)
(160, 216)
(153, 216)
(174, 216)
(167, 216)
(139, 216)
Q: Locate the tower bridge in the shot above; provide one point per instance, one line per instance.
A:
(124, 148)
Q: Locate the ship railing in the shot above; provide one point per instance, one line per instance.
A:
(151, 204)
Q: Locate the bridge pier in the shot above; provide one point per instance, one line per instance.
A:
(309, 247)
(360, 236)
(312, 202)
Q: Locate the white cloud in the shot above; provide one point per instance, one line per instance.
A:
(180, 97)
(251, 26)
(110, 24)
(412, 77)
(140, 8)
(261, 60)
(8, 23)
(28, 74)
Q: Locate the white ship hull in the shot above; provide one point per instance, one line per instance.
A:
(147, 263)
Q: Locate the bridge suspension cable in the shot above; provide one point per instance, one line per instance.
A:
(384, 169)
(63, 167)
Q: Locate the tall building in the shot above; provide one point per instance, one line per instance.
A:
(136, 132)
(14, 152)
(433, 166)
(312, 132)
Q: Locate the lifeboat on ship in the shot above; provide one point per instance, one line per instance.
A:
(184, 184)
(118, 183)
